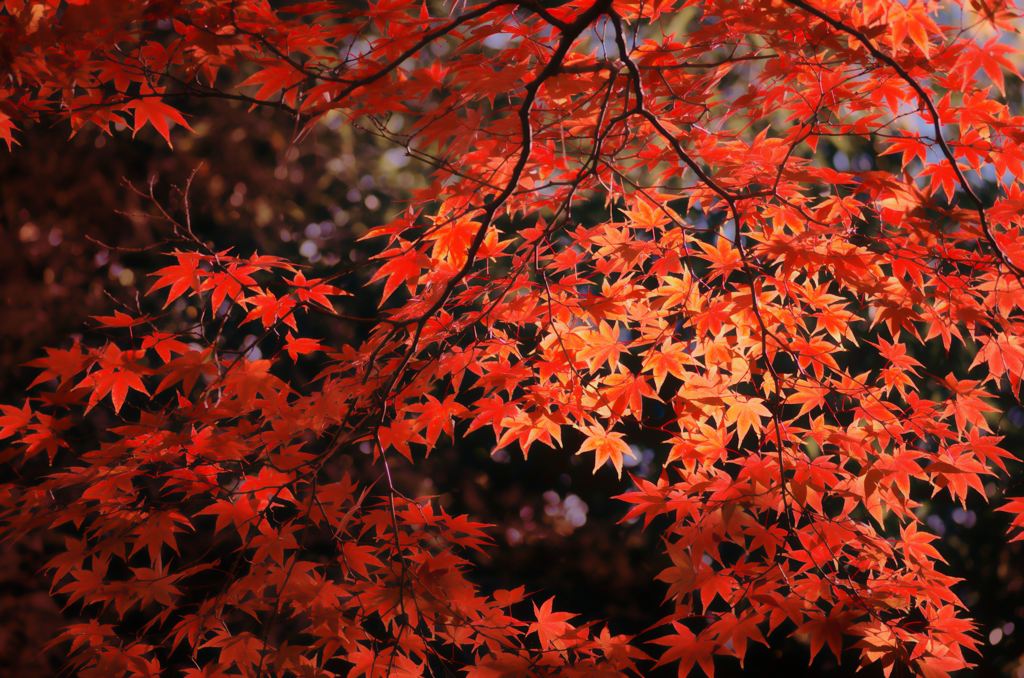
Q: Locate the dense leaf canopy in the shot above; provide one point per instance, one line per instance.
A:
(627, 234)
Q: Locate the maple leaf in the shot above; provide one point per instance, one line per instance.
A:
(269, 308)
(180, 277)
(509, 597)
(120, 320)
(668, 359)
(117, 373)
(437, 416)
(917, 546)
(166, 345)
(401, 267)
(1015, 507)
(243, 651)
(688, 649)
(602, 347)
(739, 630)
(746, 414)
(398, 435)
(296, 346)
(316, 291)
(186, 370)
(910, 148)
(650, 500)
(723, 257)
(268, 485)
(13, 419)
(61, 364)
(7, 129)
(551, 627)
(968, 406)
(157, 530)
(626, 392)
(828, 629)
(452, 240)
(606, 446)
(91, 633)
(275, 78)
(153, 111)
(239, 513)
(360, 558)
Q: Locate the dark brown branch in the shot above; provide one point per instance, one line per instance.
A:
(936, 121)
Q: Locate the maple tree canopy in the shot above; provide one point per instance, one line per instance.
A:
(716, 305)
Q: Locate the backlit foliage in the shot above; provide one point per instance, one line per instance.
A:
(212, 530)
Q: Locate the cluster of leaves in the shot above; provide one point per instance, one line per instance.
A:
(299, 550)
(215, 528)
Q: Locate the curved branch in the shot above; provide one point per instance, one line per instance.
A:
(929, 105)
